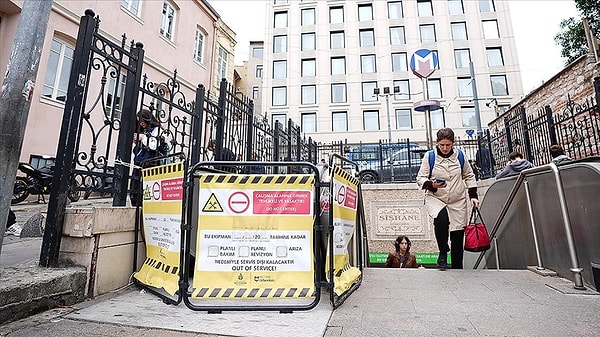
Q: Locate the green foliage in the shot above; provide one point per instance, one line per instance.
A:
(572, 36)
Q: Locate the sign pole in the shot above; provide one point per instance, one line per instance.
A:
(423, 63)
(427, 114)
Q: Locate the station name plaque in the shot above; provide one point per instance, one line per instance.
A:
(391, 220)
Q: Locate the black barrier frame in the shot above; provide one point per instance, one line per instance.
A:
(155, 162)
(360, 238)
(190, 186)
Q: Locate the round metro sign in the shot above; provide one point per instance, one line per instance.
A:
(423, 63)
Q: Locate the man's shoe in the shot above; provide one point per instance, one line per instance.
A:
(442, 261)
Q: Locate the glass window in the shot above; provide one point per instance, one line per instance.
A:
(309, 67)
(403, 90)
(427, 33)
(459, 31)
(280, 2)
(462, 58)
(435, 52)
(222, 63)
(259, 71)
(308, 17)
(464, 87)
(434, 87)
(403, 119)
(116, 88)
(399, 62)
(339, 121)
(308, 41)
(395, 10)
(486, 6)
(467, 114)
(309, 94)
(490, 29)
(255, 92)
(309, 122)
(257, 52)
(336, 40)
(365, 12)
(499, 86)
(338, 65)
(199, 46)
(280, 43)
(336, 14)
(502, 109)
(424, 8)
(279, 96)
(367, 91)
(371, 120)
(58, 70)
(281, 20)
(132, 6)
(279, 118)
(438, 119)
(455, 7)
(280, 69)
(167, 22)
(338, 93)
(494, 57)
(397, 36)
(367, 37)
(367, 64)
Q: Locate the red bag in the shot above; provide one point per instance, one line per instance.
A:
(476, 235)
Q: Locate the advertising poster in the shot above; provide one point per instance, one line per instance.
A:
(255, 237)
(161, 208)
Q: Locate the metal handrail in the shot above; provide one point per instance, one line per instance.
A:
(564, 211)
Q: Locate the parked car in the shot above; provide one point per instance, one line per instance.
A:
(402, 166)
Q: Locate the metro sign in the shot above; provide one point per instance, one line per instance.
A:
(423, 63)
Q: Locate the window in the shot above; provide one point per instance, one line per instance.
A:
(438, 119)
(338, 93)
(499, 86)
(367, 91)
(367, 64)
(424, 8)
(168, 21)
(338, 65)
(459, 31)
(58, 71)
(307, 17)
(365, 12)
(399, 62)
(336, 14)
(462, 58)
(257, 52)
(259, 71)
(468, 117)
(395, 10)
(279, 69)
(281, 20)
(404, 90)
(309, 122)
(132, 6)
(308, 41)
(371, 120)
(494, 57)
(490, 29)
(367, 37)
(199, 45)
(255, 92)
(427, 33)
(455, 7)
(222, 63)
(403, 119)
(502, 109)
(486, 6)
(115, 90)
(397, 36)
(336, 40)
(309, 94)
(339, 121)
(279, 96)
(309, 67)
(280, 43)
(279, 118)
(280, 2)
(435, 52)
(464, 87)
(434, 88)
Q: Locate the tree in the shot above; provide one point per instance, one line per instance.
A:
(572, 36)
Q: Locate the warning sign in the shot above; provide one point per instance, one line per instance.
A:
(212, 205)
(282, 202)
(239, 202)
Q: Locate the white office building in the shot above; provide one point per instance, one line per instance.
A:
(324, 60)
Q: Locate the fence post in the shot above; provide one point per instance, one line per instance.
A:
(551, 126)
(197, 125)
(597, 89)
(250, 129)
(527, 140)
(220, 125)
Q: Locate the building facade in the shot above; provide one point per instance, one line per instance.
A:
(324, 60)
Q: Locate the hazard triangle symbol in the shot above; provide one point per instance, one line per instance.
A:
(212, 205)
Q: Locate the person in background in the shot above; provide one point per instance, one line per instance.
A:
(515, 165)
(226, 155)
(446, 198)
(485, 162)
(401, 256)
(324, 171)
(145, 147)
(558, 154)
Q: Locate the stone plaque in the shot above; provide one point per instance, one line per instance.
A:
(389, 220)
